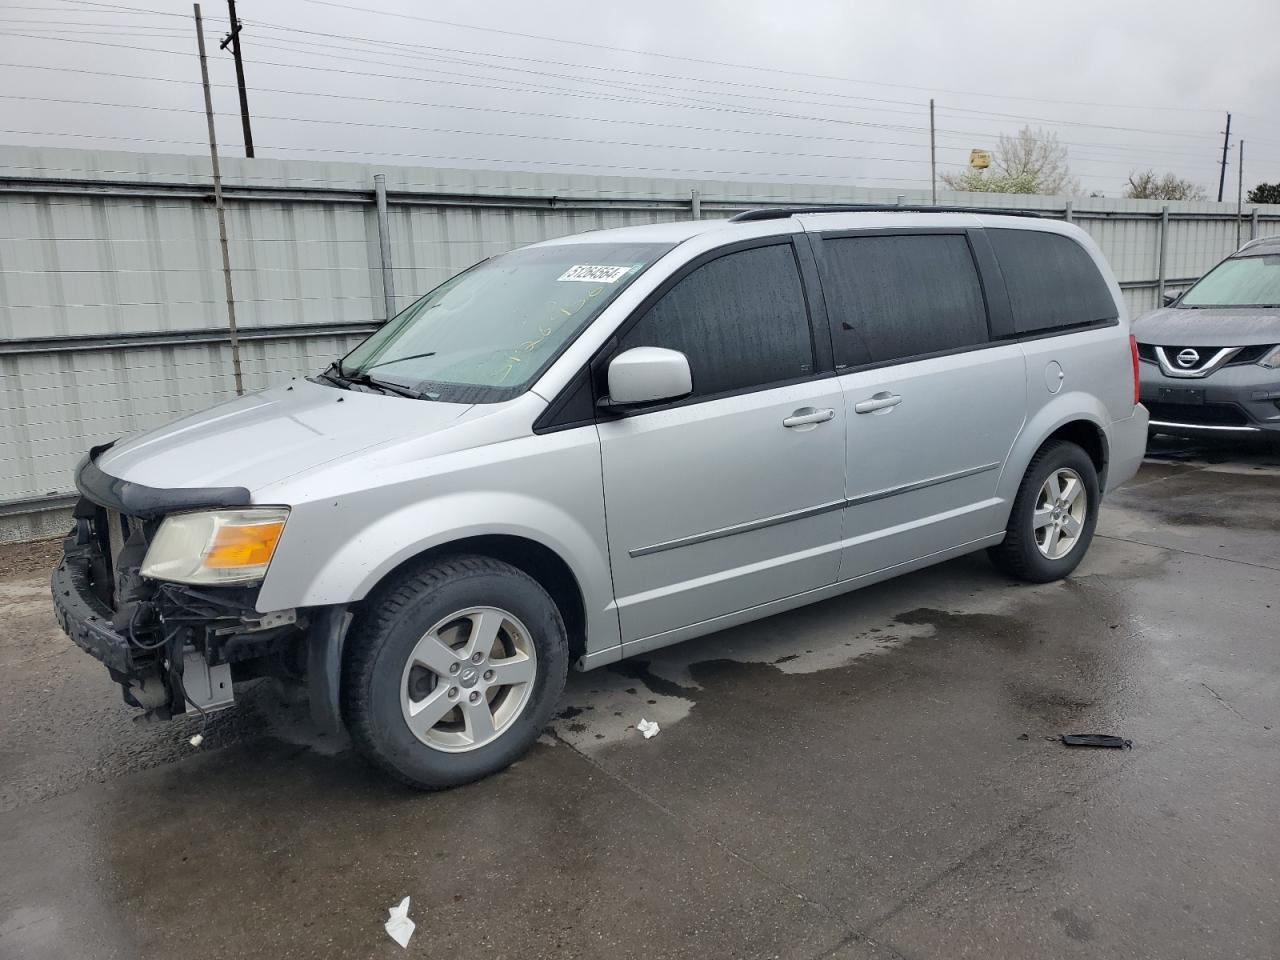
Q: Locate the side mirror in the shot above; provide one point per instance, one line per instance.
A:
(648, 375)
(1169, 299)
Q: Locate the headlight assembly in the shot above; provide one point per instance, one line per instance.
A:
(215, 547)
(1272, 359)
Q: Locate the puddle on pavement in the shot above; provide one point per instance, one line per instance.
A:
(962, 599)
(966, 602)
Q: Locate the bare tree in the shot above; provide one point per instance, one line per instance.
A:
(1031, 161)
(1145, 185)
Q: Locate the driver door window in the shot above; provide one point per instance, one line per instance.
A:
(740, 319)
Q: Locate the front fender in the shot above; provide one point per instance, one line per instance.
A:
(418, 527)
(334, 551)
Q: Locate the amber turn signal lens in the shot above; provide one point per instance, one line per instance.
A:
(244, 545)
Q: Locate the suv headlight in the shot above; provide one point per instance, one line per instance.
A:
(215, 547)
(1272, 359)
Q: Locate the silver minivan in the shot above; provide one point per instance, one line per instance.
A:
(600, 445)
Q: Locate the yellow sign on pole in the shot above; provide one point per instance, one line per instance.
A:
(979, 159)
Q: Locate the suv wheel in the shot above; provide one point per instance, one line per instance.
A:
(1053, 516)
(453, 670)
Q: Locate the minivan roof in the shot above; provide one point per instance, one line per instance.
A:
(682, 230)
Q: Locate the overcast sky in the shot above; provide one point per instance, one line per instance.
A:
(803, 90)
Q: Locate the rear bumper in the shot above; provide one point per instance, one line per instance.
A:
(1128, 443)
(1232, 401)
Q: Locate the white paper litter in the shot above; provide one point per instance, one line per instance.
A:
(196, 740)
(398, 926)
(649, 728)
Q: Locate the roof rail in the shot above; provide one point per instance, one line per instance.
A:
(780, 213)
(1257, 240)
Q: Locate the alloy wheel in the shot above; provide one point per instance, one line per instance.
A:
(1061, 508)
(468, 679)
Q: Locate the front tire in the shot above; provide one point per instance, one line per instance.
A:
(1053, 518)
(452, 670)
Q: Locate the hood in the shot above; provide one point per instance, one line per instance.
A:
(264, 437)
(1209, 327)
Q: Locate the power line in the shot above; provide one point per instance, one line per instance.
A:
(478, 133)
(526, 90)
(581, 94)
(628, 85)
(947, 132)
(719, 63)
(503, 160)
(1078, 123)
(659, 87)
(123, 9)
(549, 137)
(531, 89)
(669, 90)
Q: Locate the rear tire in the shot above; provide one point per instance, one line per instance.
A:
(452, 670)
(1053, 517)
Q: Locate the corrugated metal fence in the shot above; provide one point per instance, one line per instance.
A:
(112, 317)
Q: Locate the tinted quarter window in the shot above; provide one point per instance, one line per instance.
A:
(1052, 281)
(740, 319)
(901, 296)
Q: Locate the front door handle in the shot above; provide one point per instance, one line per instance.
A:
(808, 415)
(881, 401)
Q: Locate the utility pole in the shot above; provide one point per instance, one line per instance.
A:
(933, 156)
(217, 201)
(1226, 139)
(1239, 191)
(233, 38)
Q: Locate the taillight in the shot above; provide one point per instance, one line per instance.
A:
(1133, 350)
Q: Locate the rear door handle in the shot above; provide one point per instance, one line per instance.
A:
(881, 401)
(808, 415)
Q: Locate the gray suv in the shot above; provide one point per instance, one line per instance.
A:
(596, 446)
(1211, 358)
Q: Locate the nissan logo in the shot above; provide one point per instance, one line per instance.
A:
(1188, 358)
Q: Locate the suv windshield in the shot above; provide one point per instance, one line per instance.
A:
(489, 332)
(1239, 282)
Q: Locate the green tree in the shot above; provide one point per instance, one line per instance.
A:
(1031, 161)
(1265, 193)
(1147, 186)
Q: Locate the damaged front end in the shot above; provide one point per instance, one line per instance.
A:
(172, 647)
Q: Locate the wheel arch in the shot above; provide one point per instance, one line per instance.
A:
(1079, 418)
(538, 561)
(1091, 438)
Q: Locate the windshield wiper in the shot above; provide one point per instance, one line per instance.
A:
(333, 373)
(412, 356)
(364, 380)
(326, 374)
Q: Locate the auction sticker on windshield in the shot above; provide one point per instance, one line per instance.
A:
(589, 273)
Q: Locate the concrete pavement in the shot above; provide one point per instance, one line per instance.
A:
(875, 776)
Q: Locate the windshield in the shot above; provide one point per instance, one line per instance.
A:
(1239, 282)
(489, 332)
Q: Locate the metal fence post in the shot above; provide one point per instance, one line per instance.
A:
(1163, 254)
(1253, 224)
(220, 209)
(695, 204)
(384, 247)
(1068, 213)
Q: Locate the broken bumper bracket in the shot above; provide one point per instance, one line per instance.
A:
(86, 619)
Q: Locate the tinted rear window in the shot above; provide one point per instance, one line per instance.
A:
(1052, 281)
(896, 297)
